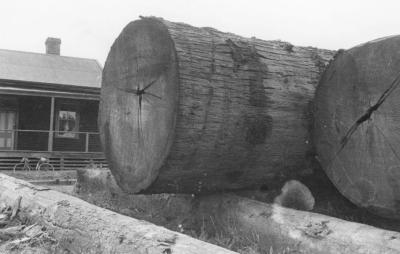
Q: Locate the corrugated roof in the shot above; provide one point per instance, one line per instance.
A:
(47, 68)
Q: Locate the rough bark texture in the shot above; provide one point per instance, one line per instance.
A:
(85, 228)
(292, 231)
(233, 111)
(357, 125)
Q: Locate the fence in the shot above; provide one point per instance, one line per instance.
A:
(50, 141)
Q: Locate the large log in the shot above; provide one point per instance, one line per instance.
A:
(84, 228)
(357, 133)
(186, 109)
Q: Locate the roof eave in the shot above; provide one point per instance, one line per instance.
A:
(49, 86)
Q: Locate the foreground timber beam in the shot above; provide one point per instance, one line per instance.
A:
(85, 228)
(195, 110)
(299, 231)
(285, 230)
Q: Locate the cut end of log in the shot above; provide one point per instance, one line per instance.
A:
(356, 127)
(138, 117)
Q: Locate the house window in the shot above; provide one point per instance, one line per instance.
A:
(67, 124)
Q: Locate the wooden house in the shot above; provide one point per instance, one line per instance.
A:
(48, 108)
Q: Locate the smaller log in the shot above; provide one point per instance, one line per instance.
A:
(292, 231)
(275, 227)
(85, 228)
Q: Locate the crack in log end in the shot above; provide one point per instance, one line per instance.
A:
(367, 115)
(258, 129)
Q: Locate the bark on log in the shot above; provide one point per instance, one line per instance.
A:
(357, 125)
(292, 231)
(186, 109)
(85, 228)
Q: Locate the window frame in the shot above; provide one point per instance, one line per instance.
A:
(68, 108)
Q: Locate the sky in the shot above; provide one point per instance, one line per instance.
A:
(88, 28)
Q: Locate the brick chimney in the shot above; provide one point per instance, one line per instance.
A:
(53, 46)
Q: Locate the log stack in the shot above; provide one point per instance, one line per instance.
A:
(357, 126)
(193, 110)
